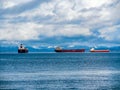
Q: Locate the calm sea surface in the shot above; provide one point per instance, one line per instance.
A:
(60, 71)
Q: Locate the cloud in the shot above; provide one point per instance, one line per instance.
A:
(11, 3)
(37, 20)
(73, 30)
(43, 10)
(115, 14)
(90, 13)
(67, 10)
(110, 33)
(32, 31)
(95, 3)
(18, 32)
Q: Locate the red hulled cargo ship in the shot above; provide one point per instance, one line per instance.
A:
(93, 50)
(58, 49)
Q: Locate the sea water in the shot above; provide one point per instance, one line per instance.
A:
(60, 71)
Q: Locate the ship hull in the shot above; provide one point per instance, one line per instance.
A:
(22, 51)
(100, 51)
(72, 50)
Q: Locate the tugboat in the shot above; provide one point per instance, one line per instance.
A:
(22, 49)
(93, 50)
(58, 49)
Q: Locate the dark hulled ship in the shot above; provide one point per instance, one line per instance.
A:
(58, 49)
(22, 49)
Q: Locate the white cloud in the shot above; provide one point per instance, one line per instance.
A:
(19, 32)
(95, 3)
(64, 10)
(110, 33)
(115, 14)
(64, 30)
(12, 3)
(88, 14)
(45, 9)
(60, 10)
(89, 11)
(73, 30)
(32, 31)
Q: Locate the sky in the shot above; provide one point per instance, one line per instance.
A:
(51, 23)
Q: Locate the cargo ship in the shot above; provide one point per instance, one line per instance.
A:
(58, 49)
(22, 49)
(93, 50)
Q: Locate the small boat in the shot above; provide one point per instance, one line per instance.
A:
(22, 49)
(58, 49)
(93, 50)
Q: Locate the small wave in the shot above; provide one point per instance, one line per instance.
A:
(57, 75)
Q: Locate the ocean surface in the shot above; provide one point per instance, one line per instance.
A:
(60, 71)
